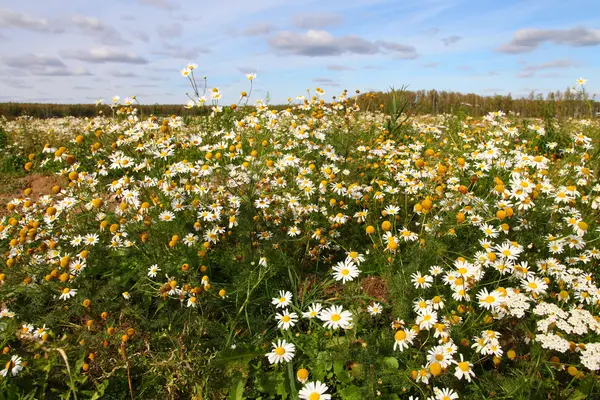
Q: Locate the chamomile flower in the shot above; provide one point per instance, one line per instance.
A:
(445, 394)
(420, 281)
(464, 369)
(314, 391)
(284, 299)
(282, 351)
(153, 270)
(14, 366)
(67, 293)
(313, 311)
(375, 309)
(286, 319)
(403, 339)
(166, 216)
(345, 271)
(336, 317)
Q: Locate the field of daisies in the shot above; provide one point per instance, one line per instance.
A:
(314, 251)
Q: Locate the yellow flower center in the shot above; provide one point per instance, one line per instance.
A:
(464, 366)
(400, 335)
(280, 351)
(314, 396)
(490, 299)
(336, 317)
(286, 318)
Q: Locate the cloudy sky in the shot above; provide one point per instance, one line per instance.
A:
(73, 51)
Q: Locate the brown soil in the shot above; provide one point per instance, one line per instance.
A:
(375, 287)
(40, 185)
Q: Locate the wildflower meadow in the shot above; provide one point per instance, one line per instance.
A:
(316, 250)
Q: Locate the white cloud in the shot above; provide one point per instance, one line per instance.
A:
(315, 43)
(14, 19)
(527, 40)
(99, 55)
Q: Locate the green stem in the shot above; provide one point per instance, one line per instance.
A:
(294, 392)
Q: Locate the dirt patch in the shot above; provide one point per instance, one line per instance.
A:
(333, 290)
(40, 185)
(375, 287)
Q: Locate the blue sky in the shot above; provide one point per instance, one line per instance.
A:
(73, 51)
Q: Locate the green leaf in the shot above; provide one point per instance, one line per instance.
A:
(272, 383)
(236, 392)
(239, 354)
(391, 362)
(577, 395)
(351, 393)
(340, 371)
(323, 364)
(587, 384)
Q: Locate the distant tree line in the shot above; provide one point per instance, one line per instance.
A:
(570, 103)
(47, 110)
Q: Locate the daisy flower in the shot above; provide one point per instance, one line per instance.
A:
(67, 293)
(14, 365)
(294, 231)
(313, 311)
(355, 257)
(489, 300)
(345, 271)
(375, 309)
(464, 370)
(445, 394)
(286, 319)
(403, 339)
(282, 351)
(314, 391)
(427, 318)
(534, 285)
(166, 216)
(420, 281)
(336, 317)
(153, 270)
(192, 302)
(284, 299)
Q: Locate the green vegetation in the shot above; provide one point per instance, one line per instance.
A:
(322, 248)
